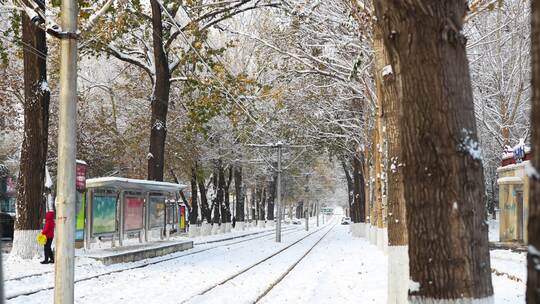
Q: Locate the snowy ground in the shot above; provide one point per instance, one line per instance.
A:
(339, 269)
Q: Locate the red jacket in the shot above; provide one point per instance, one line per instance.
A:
(48, 230)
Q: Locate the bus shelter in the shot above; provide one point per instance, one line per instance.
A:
(122, 208)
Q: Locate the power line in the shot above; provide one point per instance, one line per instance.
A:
(184, 37)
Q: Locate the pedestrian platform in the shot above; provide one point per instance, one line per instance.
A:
(137, 252)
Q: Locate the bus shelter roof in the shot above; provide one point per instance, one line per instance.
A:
(121, 183)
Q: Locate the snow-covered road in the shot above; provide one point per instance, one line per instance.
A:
(336, 269)
(340, 270)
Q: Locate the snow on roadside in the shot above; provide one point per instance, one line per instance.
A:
(341, 269)
(509, 276)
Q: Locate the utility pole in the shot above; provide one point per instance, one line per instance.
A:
(279, 146)
(278, 203)
(65, 200)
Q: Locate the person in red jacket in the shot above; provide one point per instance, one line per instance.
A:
(48, 231)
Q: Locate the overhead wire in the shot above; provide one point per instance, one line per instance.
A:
(210, 71)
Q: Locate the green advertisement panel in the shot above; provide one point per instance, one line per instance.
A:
(104, 214)
(79, 223)
(157, 211)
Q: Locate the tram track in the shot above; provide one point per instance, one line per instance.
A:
(286, 273)
(264, 234)
(261, 261)
(144, 264)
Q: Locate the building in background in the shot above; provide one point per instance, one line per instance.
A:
(513, 182)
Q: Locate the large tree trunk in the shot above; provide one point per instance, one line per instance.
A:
(533, 274)
(398, 256)
(218, 192)
(272, 188)
(226, 185)
(350, 191)
(373, 184)
(239, 191)
(206, 213)
(30, 200)
(254, 203)
(262, 203)
(358, 189)
(194, 214)
(377, 233)
(446, 218)
(160, 98)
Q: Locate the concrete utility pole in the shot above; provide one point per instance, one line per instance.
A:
(279, 146)
(67, 146)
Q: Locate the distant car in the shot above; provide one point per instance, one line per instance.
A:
(346, 221)
(296, 222)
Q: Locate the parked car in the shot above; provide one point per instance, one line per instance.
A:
(296, 221)
(345, 221)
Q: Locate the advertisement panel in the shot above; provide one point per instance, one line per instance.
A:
(133, 213)
(182, 217)
(157, 211)
(80, 175)
(104, 214)
(79, 223)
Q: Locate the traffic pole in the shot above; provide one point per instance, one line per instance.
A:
(67, 146)
(278, 224)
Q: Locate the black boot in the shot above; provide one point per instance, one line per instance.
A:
(44, 262)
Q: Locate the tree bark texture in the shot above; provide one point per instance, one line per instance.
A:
(30, 200)
(262, 203)
(358, 208)
(206, 213)
(350, 186)
(194, 214)
(367, 183)
(160, 98)
(377, 183)
(226, 206)
(446, 217)
(239, 192)
(533, 257)
(272, 188)
(390, 107)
